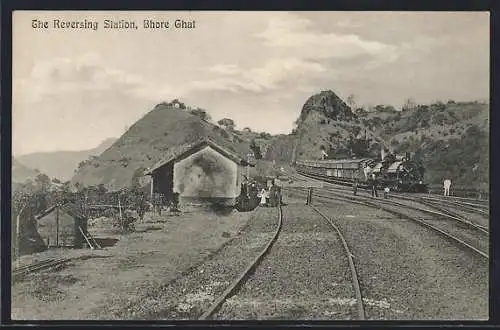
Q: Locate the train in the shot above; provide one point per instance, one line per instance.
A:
(397, 172)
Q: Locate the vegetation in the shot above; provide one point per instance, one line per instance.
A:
(255, 149)
(227, 124)
(202, 113)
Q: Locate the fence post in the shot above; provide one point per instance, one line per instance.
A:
(309, 196)
(120, 209)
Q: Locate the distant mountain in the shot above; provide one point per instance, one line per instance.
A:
(21, 173)
(62, 164)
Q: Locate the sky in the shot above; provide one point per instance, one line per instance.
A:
(73, 88)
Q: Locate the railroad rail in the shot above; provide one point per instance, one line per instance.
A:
(20, 272)
(354, 274)
(243, 276)
(415, 219)
(444, 213)
(465, 206)
(418, 220)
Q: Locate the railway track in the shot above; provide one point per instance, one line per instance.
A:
(468, 207)
(22, 271)
(354, 274)
(243, 276)
(388, 207)
(385, 253)
(444, 212)
(479, 206)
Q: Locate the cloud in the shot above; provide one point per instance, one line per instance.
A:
(258, 79)
(226, 69)
(295, 35)
(83, 74)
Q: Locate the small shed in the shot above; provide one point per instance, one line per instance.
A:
(201, 172)
(61, 226)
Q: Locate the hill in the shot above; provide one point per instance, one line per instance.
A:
(325, 123)
(452, 139)
(62, 164)
(149, 141)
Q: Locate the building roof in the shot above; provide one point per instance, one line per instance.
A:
(187, 149)
(338, 161)
(70, 208)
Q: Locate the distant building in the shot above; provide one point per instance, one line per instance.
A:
(201, 172)
(62, 226)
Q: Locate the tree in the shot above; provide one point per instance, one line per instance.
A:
(227, 123)
(351, 101)
(135, 183)
(409, 105)
(256, 149)
(42, 181)
(265, 135)
(201, 113)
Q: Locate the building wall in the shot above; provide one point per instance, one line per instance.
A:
(163, 179)
(206, 175)
(68, 226)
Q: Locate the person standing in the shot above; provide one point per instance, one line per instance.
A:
(263, 196)
(447, 185)
(374, 185)
(355, 187)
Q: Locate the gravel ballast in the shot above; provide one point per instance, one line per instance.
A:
(411, 271)
(305, 275)
(191, 295)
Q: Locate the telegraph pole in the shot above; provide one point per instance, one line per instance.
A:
(250, 156)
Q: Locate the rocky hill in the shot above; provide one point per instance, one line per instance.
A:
(452, 139)
(149, 141)
(62, 164)
(325, 123)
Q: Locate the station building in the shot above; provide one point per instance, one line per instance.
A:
(202, 172)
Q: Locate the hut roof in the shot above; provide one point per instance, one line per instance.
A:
(70, 208)
(187, 149)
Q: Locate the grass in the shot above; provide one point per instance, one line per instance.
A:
(101, 282)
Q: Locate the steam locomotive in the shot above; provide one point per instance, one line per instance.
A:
(399, 173)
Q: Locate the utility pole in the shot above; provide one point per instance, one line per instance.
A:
(250, 156)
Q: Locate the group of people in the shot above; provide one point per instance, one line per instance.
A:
(271, 197)
(372, 182)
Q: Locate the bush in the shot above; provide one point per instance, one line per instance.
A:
(265, 135)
